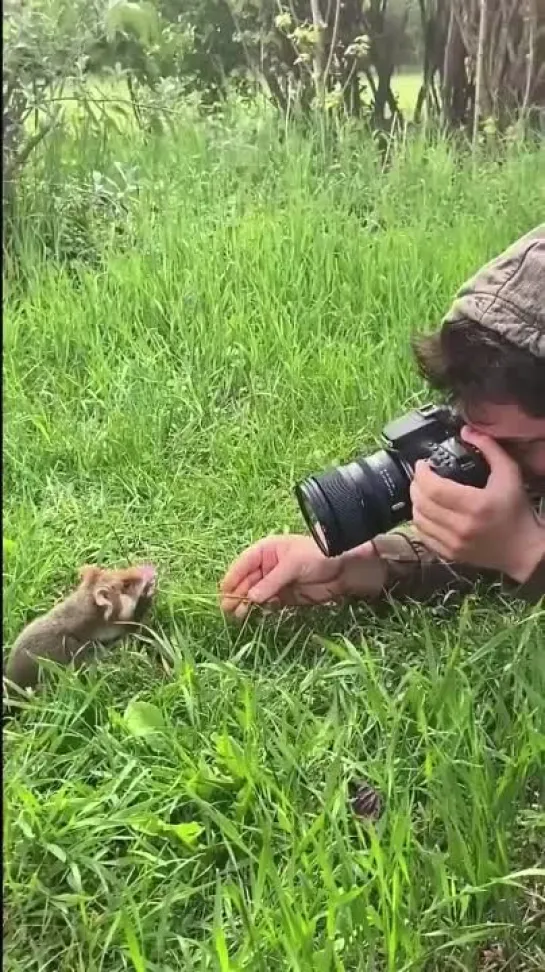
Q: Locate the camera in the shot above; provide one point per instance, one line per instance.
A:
(345, 506)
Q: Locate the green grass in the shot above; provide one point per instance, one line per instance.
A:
(184, 806)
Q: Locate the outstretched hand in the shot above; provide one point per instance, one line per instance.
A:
(279, 571)
(289, 570)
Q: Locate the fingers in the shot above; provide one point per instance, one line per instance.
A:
(436, 547)
(441, 516)
(235, 601)
(243, 607)
(446, 494)
(271, 585)
(498, 459)
(433, 535)
(249, 562)
(434, 521)
(267, 574)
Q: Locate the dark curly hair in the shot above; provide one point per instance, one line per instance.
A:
(472, 365)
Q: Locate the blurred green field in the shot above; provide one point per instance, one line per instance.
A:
(406, 87)
(111, 96)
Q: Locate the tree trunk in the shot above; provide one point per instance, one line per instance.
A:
(455, 79)
(492, 60)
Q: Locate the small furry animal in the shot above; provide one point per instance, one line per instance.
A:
(105, 606)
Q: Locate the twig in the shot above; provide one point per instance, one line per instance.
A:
(532, 18)
(318, 58)
(479, 73)
(115, 101)
(333, 42)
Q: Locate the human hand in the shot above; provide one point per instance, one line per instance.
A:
(279, 571)
(492, 528)
(288, 570)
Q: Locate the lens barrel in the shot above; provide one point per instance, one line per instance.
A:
(346, 506)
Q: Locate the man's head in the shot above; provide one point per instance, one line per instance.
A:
(497, 386)
(488, 358)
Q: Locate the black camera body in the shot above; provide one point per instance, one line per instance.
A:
(346, 506)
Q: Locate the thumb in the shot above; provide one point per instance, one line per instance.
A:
(285, 572)
(500, 462)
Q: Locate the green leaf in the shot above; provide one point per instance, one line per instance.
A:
(187, 833)
(143, 718)
(134, 949)
(231, 755)
(57, 852)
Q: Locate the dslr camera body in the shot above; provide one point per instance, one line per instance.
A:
(345, 506)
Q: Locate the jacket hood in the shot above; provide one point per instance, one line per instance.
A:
(507, 295)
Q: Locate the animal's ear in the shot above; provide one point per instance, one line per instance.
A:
(103, 599)
(88, 574)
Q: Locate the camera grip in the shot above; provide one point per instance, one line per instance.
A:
(460, 463)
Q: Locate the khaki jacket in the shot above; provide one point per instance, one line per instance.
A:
(508, 296)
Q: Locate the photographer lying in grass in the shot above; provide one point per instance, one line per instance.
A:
(488, 360)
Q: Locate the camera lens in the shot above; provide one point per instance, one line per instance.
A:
(345, 506)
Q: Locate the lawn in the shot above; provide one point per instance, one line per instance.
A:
(236, 312)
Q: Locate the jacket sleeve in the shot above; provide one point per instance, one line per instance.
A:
(415, 572)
